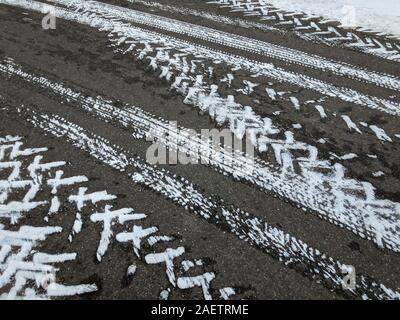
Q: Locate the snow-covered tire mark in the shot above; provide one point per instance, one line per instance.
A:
(29, 273)
(139, 236)
(180, 68)
(313, 28)
(128, 32)
(207, 15)
(14, 210)
(234, 41)
(289, 250)
(201, 91)
(321, 187)
(21, 262)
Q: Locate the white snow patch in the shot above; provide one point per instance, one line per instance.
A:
(271, 93)
(136, 236)
(349, 156)
(382, 16)
(81, 198)
(378, 174)
(187, 264)
(380, 133)
(226, 293)
(295, 102)
(202, 281)
(131, 270)
(164, 294)
(350, 124)
(59, 290)
(108, 217)
(77, 227)
(321, 111)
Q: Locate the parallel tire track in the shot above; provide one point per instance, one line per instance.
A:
(128, 31)
(25, 273)
(313, 28)
(282, 246)
(235, 41)
(341, 203)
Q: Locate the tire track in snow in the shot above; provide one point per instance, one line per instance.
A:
(208, 15)
(176, 65)
(25, 271)
(19, 265)
(127, 31)
(253, 230)
(310, 27)
(28, 273)
(234, 41)
(346, 202)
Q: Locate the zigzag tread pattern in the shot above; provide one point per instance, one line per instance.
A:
(314, 28)
(23, 264)
(347, 202)
(246, 227)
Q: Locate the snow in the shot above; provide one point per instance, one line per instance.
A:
(164, 295)
(226, 293)
(382, 16)
(350, 124)
(55, 205)
(248, 87)
(14, 209)
(30, 274)
(59, 290)
(378, 174)
(179, 191)
(289, 249)
(19, 270)
(51, 258)
(81, 198)
(300, 189)
(138, 233)
(105, 12)
(295, 102)
(167, 257)
(348, 156)
(108, 217)
(187, 264)
(77, 227)
(59, 181)
(271, 93)
(202, 281)
(131, 270)
(380, 133)
(321, 111)
(156, 239)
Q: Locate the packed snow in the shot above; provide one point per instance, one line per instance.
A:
(381, 16)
